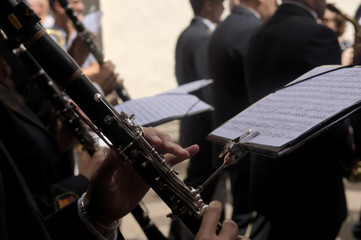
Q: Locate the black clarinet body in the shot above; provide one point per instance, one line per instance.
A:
(61, 102)
(71, 116)
(20, 22)
(91, 44)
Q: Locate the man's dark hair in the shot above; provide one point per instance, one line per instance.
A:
(197, 5)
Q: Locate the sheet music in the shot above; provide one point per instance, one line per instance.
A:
(190, 87)
(288, 113)
(151, 111)
(315, 71)
(92, 21)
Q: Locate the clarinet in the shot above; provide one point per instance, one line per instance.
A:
(20, 22)
(70, 115)
(91, 44)
(61, 102)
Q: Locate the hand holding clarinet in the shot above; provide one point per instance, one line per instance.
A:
(116, 188)
(132, 164)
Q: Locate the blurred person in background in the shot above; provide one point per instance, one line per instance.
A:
(191, 64)
(303, 191)
(227, 49)
(334, 19)
(41, 7)
(104, 76)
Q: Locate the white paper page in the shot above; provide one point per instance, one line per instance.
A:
(92, 21)
(287, 113)
(316, 71)
(152, 110)
(190, 87)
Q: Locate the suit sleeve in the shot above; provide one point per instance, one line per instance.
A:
(61, 194)
(323, 49)
(200, 58)
(200, 65)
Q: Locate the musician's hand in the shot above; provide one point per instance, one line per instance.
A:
(164, 144)
(347, 56)
(209, 225)
(106, 77)
(116, 188)
(64, 137)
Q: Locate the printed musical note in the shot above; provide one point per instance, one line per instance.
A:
(291, 112)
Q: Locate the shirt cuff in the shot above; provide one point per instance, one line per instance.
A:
(108, 233)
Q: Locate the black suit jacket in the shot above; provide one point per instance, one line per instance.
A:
(20, 217)
(191, 65)
(227, 49)
(287, 45)
(48, 173)
(191, 57)
(35, 152)
(191, 53)
(303, 191)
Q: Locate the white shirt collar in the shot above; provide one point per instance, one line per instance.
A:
(211, 26)
(297, 3)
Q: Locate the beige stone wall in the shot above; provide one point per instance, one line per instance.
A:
(139, 36)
